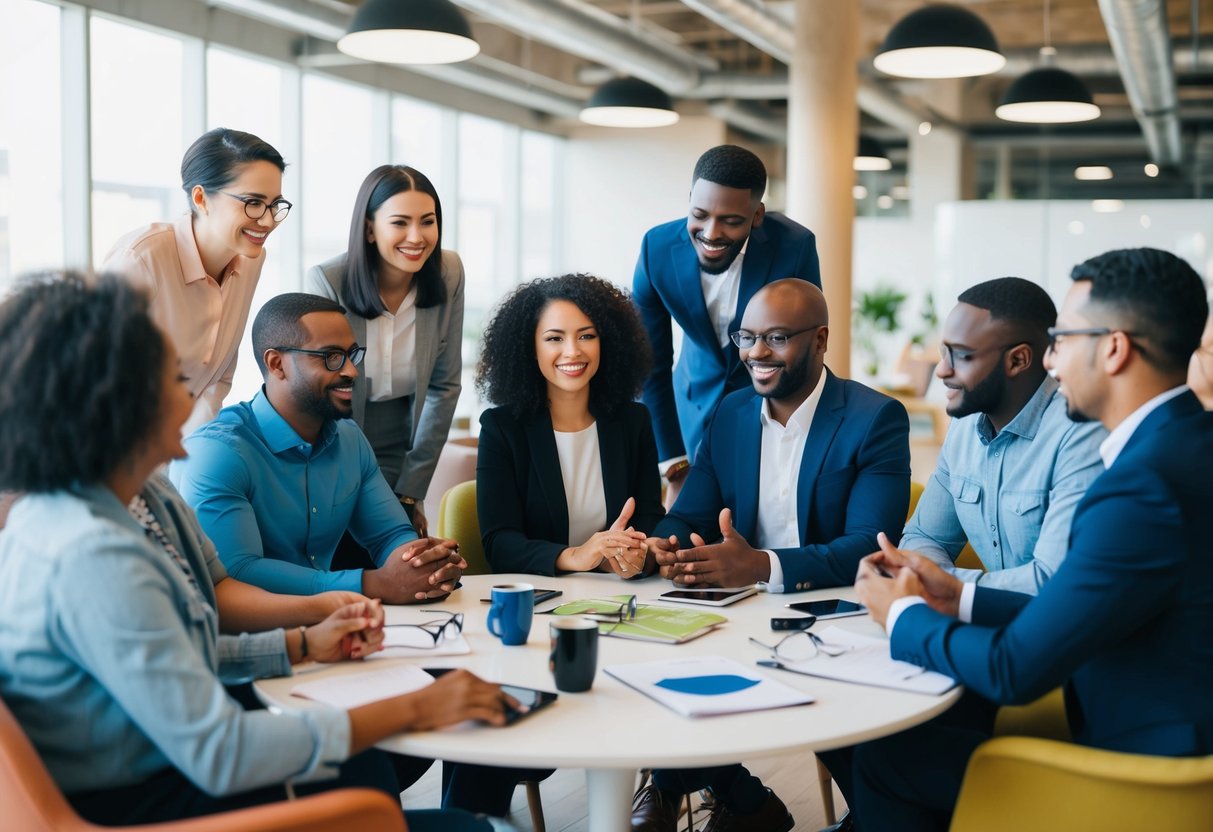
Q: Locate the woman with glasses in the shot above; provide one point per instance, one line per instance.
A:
(404, 299)
(111, 658)
(566, 476)
(201, 271)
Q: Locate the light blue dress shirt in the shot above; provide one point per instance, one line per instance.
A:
(109, 659)
(276, 506)
(1011, 494)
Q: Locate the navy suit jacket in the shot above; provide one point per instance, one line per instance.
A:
(854, 481)
(520, 497)
(1128, 617)
(666, 286)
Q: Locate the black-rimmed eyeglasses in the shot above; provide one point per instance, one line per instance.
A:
(950, 355)
(1056, 335)
(776, 340)
(255, 208)
(334, 360)
(428, 634)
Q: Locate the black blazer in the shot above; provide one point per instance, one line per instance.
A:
(520, 498)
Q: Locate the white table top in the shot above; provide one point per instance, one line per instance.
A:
(614, 727)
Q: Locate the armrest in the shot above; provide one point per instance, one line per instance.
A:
(340, 809)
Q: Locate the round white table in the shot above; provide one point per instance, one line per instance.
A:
(612, 730)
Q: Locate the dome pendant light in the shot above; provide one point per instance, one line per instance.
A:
(1047, 94)
(940, 41)
(871, 155)
(629, 102)
(409, 32)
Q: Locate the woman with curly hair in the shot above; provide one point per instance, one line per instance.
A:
(111, 657)
(566, 476)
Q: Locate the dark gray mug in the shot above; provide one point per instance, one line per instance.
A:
(574, 657)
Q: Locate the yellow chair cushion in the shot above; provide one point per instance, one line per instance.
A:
(457, 520)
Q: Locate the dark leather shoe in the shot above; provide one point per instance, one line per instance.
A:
(654, 810)
(845, 824)
(772, 816)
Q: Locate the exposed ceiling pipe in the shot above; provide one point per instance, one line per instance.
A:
(752, 118)
(753, 22)
(1138, 32)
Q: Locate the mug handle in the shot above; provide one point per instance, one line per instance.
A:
(494, 621)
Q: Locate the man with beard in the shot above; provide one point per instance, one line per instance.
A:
(700, 273)
(793, 480)
(1013, 467)
(276, 481)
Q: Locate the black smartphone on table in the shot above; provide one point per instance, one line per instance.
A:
(829, 608)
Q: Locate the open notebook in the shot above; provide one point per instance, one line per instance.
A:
(652, 623)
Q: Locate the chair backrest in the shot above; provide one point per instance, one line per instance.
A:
(32, 801)
(916, 489)
(457, 520)
(967, 559)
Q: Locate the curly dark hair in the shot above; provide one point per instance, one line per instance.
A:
(84, 367)
(508, 373)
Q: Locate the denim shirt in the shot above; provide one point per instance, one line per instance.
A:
(1011, 494)
(277, 506)
(109, 658)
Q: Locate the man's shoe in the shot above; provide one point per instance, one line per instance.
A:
(655, 811)
(845, 824)
(772, 816)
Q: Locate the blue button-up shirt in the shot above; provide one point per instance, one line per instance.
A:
(1011, 494)
(276, 506)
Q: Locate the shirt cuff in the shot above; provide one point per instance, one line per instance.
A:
(967, 593)
(665, 464)
(775, 583)
(897, 608)
(253, 656)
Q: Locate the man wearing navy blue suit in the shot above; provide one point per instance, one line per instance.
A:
(812, 467)
(700, 273)
(1126, 623)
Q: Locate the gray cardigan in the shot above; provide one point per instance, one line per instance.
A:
(439, 367)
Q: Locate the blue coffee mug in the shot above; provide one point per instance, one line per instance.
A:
(511, 611)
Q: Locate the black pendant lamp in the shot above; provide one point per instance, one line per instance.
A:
(629, 102)
(1047, 95)
(940, 41)
(409, 32)
(871, 155)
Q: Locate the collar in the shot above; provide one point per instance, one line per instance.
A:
(1111, 447)
(802, 417)
(277, 433)
(1027, 421)
(191, 261)
(104, 503)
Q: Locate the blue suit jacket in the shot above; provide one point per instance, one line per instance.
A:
(666, 286)
(854, 481)
(1127, 618)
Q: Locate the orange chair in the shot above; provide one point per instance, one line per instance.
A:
(33, 803)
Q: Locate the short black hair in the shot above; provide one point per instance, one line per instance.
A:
(1022, 303)
(215, 158)
(508, 373)
(278, 323)
(1153, 294)
(84, 371)
(732, 167)
(361, 289)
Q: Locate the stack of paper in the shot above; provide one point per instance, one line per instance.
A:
(707, 686)
(662, 624)
(866, 661)
(353, 689)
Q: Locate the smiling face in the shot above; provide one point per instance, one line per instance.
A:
(567, 348)
(220, 221)
(314, 389)
(719, 223)
(405, 233)
(1073, 360)
(971, 364)
(791, 372)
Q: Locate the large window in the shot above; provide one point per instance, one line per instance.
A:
(138, 101)
(537, 233)
(31, 143)
(419, 140)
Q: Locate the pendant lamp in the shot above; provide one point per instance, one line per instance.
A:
(871, 155)
(629, 102)
(1047, 94)
(409, 32)
(940, 41)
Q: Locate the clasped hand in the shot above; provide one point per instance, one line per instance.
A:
(730, 562)
(620, 548)
(420, 570)
(353, 631)
(892, 573)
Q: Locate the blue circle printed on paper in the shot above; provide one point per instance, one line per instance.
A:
(716, 685)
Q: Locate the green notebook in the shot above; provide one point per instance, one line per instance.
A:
(661, 624)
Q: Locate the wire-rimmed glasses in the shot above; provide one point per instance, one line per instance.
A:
(801, 646)
(428, 634)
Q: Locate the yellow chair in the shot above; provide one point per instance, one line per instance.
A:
(1017, 783)
(1043, 719)
(457, 520)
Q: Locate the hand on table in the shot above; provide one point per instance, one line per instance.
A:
(621, 547)
(457, 696)
(353, 632)
(420, 570)
(731, 562)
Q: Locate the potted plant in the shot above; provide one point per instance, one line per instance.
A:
(876, 313)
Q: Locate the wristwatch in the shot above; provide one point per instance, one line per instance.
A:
(677, 468)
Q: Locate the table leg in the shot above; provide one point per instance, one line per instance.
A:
(609, 798)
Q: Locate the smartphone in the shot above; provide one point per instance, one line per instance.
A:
(708, 597)
(783, 623)
(532, 700)
(829, 608)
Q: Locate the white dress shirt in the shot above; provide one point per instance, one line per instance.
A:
(391, 352)
(581, 469)
(720, 295)
(779, 477)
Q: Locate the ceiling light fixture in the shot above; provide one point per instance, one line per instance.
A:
(1151, 169)
(629, 102)
(409, 32)
(1092, 173)
(871, 155)
(1047, 94)
(939, 41)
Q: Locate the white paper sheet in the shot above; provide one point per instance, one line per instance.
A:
(756, 691)
(353, 689)
(392, 649)
(867, 662)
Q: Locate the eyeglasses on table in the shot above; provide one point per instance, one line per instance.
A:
(428, 634)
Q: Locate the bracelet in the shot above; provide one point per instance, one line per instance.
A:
(302, 642)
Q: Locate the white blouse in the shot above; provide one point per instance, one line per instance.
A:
(391, 352)
(581, 469)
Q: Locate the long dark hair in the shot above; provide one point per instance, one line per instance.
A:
(361, 291)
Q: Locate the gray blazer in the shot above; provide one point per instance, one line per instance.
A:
(439, 367)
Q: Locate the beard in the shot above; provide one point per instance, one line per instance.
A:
(1076, 415)
(985, 396)
(721, 264)
(320, 404)
(792, 378)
